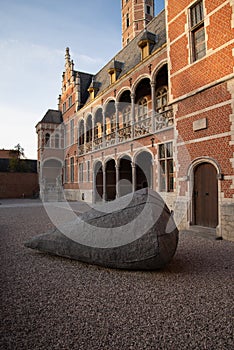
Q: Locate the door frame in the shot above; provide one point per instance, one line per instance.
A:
(190, 177)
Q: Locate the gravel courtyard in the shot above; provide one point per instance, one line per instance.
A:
(52, 303)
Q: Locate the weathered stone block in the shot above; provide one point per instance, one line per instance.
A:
(136, 231)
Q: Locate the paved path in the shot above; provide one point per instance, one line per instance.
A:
(53, 303)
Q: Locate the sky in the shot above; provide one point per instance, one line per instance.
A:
(33, 37)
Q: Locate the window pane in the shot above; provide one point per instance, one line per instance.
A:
(171, 183)
(162, 176)
(169, 150)
(199, 43)
(161, 151)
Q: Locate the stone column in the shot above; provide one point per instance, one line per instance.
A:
(117, 180)
(132, 113)
(93, 126)
(104, 129)
(116, 121)
(85, 136)
(104, 183)
(133, 177)
(153, 105)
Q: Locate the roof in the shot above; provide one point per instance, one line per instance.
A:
(130, 55)
(53, 117)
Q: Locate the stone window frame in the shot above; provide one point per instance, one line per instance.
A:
(166, 167)
(197, 31)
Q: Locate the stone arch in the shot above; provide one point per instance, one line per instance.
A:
(204, 189)
(125, 185)
(138, 80)
(143, 162)
(121, 93)
(157, 69)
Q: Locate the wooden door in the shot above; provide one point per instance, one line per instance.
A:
(205, 195)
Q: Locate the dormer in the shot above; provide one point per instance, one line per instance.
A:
(146, 43)
(93, 89)
(114, 70)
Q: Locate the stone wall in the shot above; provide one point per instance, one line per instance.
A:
(227, 221)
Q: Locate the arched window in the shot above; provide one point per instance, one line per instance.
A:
(81, 133)
(161, 99)
(47, 140)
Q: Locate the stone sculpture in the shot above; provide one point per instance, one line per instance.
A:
(136, 231)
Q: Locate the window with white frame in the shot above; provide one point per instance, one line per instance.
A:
(166, 167)
(197, 31)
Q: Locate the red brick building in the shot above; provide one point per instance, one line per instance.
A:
(160, 114)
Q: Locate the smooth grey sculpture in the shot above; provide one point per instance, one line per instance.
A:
(136, 231)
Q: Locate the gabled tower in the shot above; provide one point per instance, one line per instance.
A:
(136, 14)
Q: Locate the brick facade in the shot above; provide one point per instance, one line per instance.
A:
(159, 114)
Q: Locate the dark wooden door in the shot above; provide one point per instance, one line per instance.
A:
(205, 196)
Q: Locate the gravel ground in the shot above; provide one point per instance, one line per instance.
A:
(49, 302)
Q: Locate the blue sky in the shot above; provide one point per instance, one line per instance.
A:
(33, 37)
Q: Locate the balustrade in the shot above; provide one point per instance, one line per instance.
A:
(142, 127)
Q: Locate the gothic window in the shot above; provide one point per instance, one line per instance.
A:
(81, 133)
(56, 141)
(161, 99)
(142, 109)
(166, 168)
(197, 31)
(47, 140)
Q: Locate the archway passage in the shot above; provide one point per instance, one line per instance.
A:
(110, 180)
(143, 170)
(125, 176)
(205, 196)
(98, 185)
